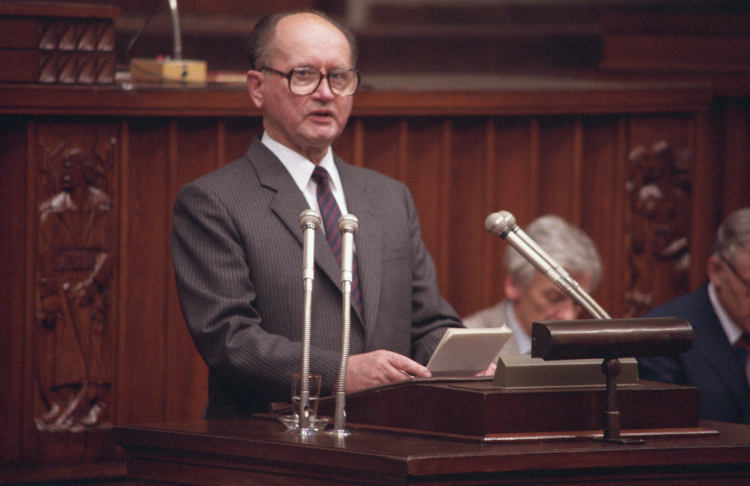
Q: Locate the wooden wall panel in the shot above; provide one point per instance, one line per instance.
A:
(464, 213)
(601, 212)
(517, 143)
(423, 154)
(460, 162)
(13, 286)
(143, 340)
(706, 211)
(381, 149)
(557, 181)
(736, 177)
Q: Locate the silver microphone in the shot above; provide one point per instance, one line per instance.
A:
(348, 225)
(503, 224)
(308, 221)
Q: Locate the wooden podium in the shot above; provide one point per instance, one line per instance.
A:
(454, 432)
(472, 409)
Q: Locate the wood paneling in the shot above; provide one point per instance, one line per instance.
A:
(13, 271)
(463, 155)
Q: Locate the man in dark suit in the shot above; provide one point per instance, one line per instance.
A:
(719, 313)
(237, 244)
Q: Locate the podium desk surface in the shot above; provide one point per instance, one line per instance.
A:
(260, 451)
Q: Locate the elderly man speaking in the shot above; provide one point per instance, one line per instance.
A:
(237, 245)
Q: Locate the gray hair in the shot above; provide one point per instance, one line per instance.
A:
(733, 235)
(568, 245)
(261, 37)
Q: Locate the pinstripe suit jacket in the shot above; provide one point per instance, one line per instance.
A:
(237, 253)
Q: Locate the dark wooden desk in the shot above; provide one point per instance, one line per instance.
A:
(260, 452)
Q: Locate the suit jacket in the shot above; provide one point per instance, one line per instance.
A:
(712, 364)
(495, 316)
(237, 250)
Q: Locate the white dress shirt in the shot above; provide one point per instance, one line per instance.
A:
(301, 170)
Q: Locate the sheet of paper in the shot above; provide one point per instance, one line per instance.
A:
(466, 352)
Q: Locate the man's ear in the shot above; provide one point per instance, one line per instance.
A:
(512, 288)
(254, 84)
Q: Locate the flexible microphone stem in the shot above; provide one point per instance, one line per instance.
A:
(308, 221)
(503, 224)
(348, 225)
(176, 30)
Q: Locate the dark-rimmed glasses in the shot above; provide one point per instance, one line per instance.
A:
(304, 81)
(745, 282)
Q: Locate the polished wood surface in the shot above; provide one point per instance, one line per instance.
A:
(476, 410)
(258, 451)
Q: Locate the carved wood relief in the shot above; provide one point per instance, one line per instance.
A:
(659, 188)
(76, 254)
(73, 44)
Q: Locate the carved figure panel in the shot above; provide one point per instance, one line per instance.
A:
(660, 190)
(76, 260)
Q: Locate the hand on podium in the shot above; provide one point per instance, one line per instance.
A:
(380, 368)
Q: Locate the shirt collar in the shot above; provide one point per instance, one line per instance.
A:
(300, 167)
(732, 330)
(523, 340)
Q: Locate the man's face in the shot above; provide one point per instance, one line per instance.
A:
(732, 282)
(543, 300)
(307, 124)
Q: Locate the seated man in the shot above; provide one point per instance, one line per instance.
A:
(530, 296)
(719, 312)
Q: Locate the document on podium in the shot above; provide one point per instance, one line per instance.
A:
(466, 352)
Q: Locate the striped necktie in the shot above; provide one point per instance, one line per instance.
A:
(330, 212)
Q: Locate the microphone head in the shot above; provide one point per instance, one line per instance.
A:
(309, 217)
(500, 223)
(348, 222)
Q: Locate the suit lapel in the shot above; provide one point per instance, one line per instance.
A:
(711, 343)
(288, 204)
(359, 202)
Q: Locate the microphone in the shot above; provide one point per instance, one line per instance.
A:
(176, 30)
(503, 224)
(308, 221)
(348, 225)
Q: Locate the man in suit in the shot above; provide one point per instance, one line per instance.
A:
(719, 312)
(237, 244)
(530, 296)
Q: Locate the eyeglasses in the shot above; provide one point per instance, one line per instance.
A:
(745, 282)
(304, 81)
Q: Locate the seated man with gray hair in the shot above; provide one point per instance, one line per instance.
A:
(718, 364)
(529, 295)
